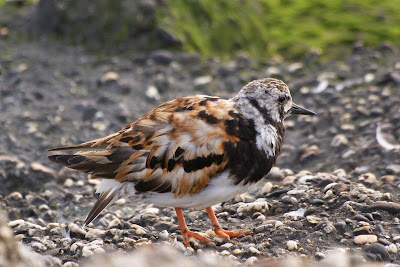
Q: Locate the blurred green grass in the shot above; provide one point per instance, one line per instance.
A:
(290, 28)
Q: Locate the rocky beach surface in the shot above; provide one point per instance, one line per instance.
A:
(333, 192)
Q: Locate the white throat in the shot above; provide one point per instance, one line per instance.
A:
(267, 135)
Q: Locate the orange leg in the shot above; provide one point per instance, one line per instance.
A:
(186, 232)
(216, 227)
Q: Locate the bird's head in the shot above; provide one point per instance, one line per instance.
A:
(272, 98)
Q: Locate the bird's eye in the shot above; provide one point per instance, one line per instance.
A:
(282, 99)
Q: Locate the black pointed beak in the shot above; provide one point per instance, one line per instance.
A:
(296, 109)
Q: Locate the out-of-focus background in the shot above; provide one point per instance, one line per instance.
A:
(71, 71)
(260, 28)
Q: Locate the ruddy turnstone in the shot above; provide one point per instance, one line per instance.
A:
(191, 152)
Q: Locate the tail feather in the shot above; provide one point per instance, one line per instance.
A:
(99, 164)
(106, 199)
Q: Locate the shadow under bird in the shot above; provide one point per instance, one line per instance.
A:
(191, 152)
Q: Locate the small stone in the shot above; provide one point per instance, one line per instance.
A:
(368, 178)
(14, 196)
(237, 251)
(75, 230)
(364, 230)
(291, 245)
(86, 252)
(70, 264)
(68, 182)
(253, 250)
(313, 219)
(396, 238)
(152, 93)
(359, 217)
(154, 211)
(251, 261)
(267, 188)
(256, 206)
(99, 251)
(319, 256)
(15, 223)
(38, 246)
(275, 174)
(289, 180)
(180, 246)
(392, 248)
(109, 77)
(140, 231)
(379, 250)
(339, 140)
(393, 168)
(189, 251)
(202, 80)
(43, 207)
(364, 239)
(39, 167)
(120, 201)
(278, 224)
(94, 233)
(116, 223)
(328, 194)
(163, 235)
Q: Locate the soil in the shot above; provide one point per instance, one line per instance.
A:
(334, 184)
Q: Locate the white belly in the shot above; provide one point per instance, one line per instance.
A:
(220, 188)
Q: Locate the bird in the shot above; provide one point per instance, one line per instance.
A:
(191, 152)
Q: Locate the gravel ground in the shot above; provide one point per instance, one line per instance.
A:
(335, 184)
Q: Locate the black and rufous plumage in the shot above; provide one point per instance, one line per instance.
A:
(191, 152)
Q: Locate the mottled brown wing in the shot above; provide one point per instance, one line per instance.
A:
(177, 147)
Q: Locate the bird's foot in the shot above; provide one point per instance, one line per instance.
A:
(198, 236)
(226, 235)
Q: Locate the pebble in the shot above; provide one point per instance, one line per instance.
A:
(202, 80)
(364, 239)
(251, 261)
(339, 140)
(38, 246)
(99, 250)
(267, 188)
(154, 211)
(379, 250)
(237, 251)
(14, 196)
(392, 248)
(319, 256)
(163, 235)
(70, 264)
(94, 233)
(116, 223)
(313, 219)
(275, 174)
(253, 250)
(110, 76)
(75, 229)
(291, 245)
(278, 224)
(254, 206)
(289, 180)
(68, 182)
(152, 93)
(87, 252)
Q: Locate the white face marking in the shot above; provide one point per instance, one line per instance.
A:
(267, 139)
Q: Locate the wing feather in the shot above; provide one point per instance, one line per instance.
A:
(177, 147)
